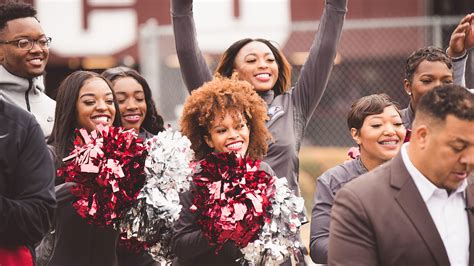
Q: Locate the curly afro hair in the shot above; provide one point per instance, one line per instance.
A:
(214, 100)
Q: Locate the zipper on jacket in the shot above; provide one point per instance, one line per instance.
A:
(27, 96)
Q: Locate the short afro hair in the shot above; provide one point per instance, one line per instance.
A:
(13, 10)
(447, 100)
(431, 54)
(214, 100)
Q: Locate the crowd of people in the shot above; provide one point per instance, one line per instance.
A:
(406, 197)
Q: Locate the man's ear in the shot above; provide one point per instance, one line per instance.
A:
(355, 135)
(208, 141)
(422, 133)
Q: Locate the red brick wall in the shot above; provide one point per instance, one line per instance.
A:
(312, 9)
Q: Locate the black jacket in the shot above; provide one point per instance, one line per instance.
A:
(74, 241)
(27, 199)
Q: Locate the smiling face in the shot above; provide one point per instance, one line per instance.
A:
(23, 63)
(229, 134)
(256, 64)
(427, 76)
(447, 151)
(131, 100)
(380, 137)
(95, 104)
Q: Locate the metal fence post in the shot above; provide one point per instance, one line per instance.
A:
(437, 31)
(149, 56)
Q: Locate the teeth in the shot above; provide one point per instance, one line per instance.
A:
(101, 119)
(263, 75)
(133, 117)
(36, 60)
(389, 142)
(236, 145)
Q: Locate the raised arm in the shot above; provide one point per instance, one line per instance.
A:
(462, 39)
(27, 208)
(351, 241)
(320, 218)
(193, 67)
(315, 72)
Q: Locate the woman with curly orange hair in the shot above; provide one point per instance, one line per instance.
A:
(223, 115)
(222, 98)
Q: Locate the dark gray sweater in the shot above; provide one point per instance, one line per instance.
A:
(408, 116)
(289, 112)
(327, 186)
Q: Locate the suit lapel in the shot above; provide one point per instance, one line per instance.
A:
(412, 204)
(470, 214)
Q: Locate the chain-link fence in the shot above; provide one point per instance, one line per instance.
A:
(371, 59)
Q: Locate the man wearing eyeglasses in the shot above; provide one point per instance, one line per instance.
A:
(24, 52)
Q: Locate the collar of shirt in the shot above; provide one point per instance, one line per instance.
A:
(424, 185)
(267, 96)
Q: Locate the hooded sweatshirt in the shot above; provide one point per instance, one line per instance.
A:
(29, 95)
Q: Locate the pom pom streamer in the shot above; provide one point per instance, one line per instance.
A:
(279, 239)
(108, 167)
(231, 199)
(168, 170)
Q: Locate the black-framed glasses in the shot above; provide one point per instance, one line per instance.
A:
(27, 44)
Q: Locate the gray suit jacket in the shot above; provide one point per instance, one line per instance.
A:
(380, 218)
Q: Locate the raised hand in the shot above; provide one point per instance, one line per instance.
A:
(462, 37)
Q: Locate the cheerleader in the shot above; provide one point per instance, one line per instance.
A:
(224, 115)
(85, 100)
(137, 111)
(137, 108)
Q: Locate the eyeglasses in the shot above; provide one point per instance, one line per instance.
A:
(27, 44)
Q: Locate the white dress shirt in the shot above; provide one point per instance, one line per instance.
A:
(448, 212)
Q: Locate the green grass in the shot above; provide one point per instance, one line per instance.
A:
(313, 162)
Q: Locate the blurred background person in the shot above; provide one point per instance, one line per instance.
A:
(24, 52)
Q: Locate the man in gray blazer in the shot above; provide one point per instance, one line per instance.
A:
(418, 208)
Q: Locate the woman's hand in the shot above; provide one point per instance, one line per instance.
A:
(462, 38)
